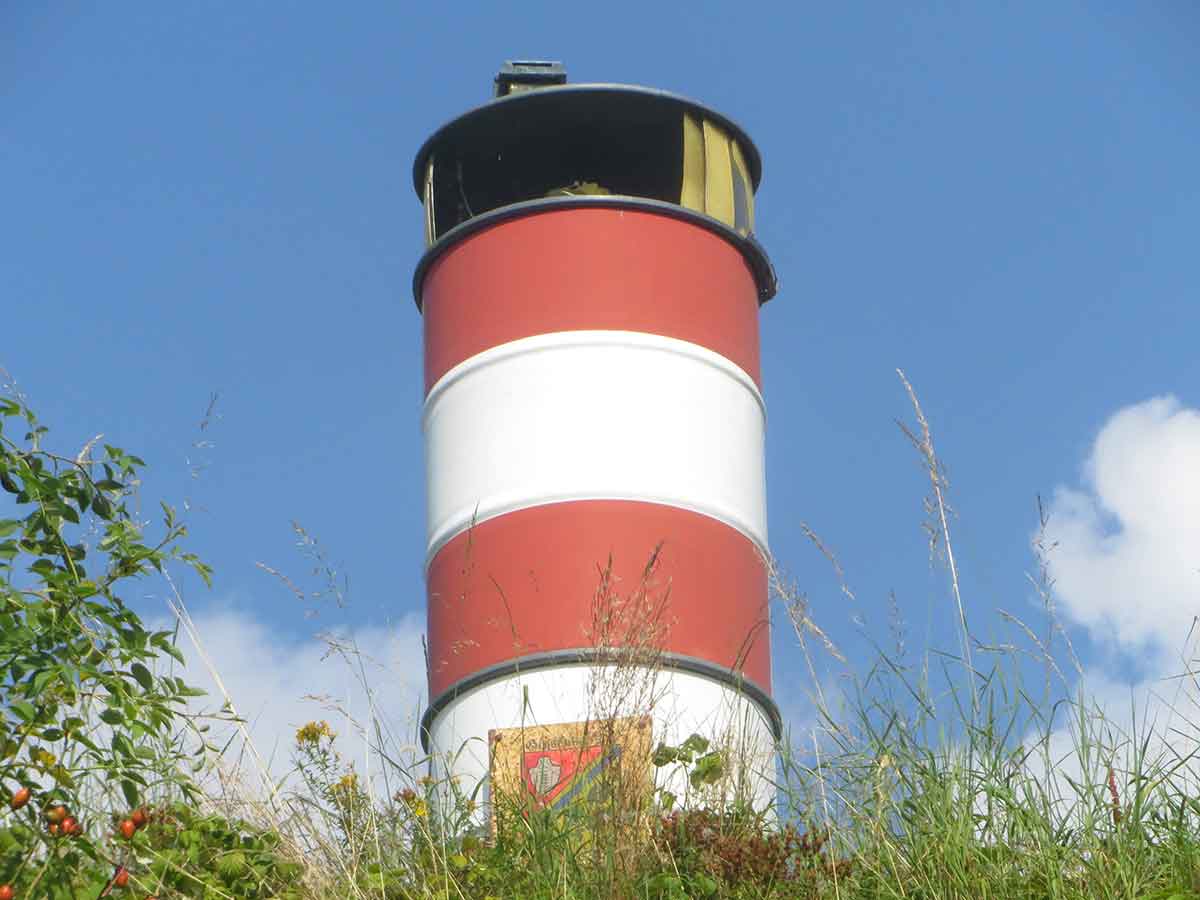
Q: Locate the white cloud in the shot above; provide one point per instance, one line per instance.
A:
(277, 684)
(1127, 561)
(1148, 728)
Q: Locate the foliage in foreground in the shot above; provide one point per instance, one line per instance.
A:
(947, 777)
(943, 781)
(969, 818)
(92, 724)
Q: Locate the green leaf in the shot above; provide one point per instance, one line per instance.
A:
(143, 676)
(24, 710)
(41, 679)
(708, 769)
(112, 716)
(8, 526)
(81, 737)
(203, 570)
(666, 885)
(130, 790)
(694, 744)
(174, 653)
(664, 755)
(102, 508)
(704, 885)
(121, 744)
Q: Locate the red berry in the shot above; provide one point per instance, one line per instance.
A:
(6, 892)
(128, 829)
(139, 817)
(20, 798)
(121, 878)
(54, 829)
(56, 813)
(70, 825)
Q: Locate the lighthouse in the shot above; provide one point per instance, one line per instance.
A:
(594, 428)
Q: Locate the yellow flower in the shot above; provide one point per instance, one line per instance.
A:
(313, 732)
(416, 804)
(348, 783)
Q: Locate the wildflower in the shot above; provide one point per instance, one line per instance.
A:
(312, 732)
(416, 804)
(347, 784)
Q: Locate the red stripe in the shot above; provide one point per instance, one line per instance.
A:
(583, 269)
(526, 582)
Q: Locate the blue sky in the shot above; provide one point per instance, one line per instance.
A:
(1001, 199)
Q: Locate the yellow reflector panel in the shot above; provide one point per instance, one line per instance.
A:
(718, 174)
(691, 194)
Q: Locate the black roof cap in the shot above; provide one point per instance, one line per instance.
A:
(572, 99)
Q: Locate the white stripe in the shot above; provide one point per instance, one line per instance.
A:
(589, 415)
(683, 704)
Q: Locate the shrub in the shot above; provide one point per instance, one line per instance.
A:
(87, 724)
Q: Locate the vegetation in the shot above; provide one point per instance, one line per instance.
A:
(92, 722)
(947, 777)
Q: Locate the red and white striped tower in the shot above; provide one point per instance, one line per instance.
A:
(590, 299)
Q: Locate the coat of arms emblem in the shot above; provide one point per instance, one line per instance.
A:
(544, 776)
(555, 776)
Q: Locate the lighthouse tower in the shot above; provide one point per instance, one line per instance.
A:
(593, 422)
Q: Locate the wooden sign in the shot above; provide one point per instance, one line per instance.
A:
(557, 766)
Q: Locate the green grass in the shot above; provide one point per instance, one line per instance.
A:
(955, 775)
(950, 777)
(962, 792)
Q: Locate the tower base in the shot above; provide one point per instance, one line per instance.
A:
(675, 703)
